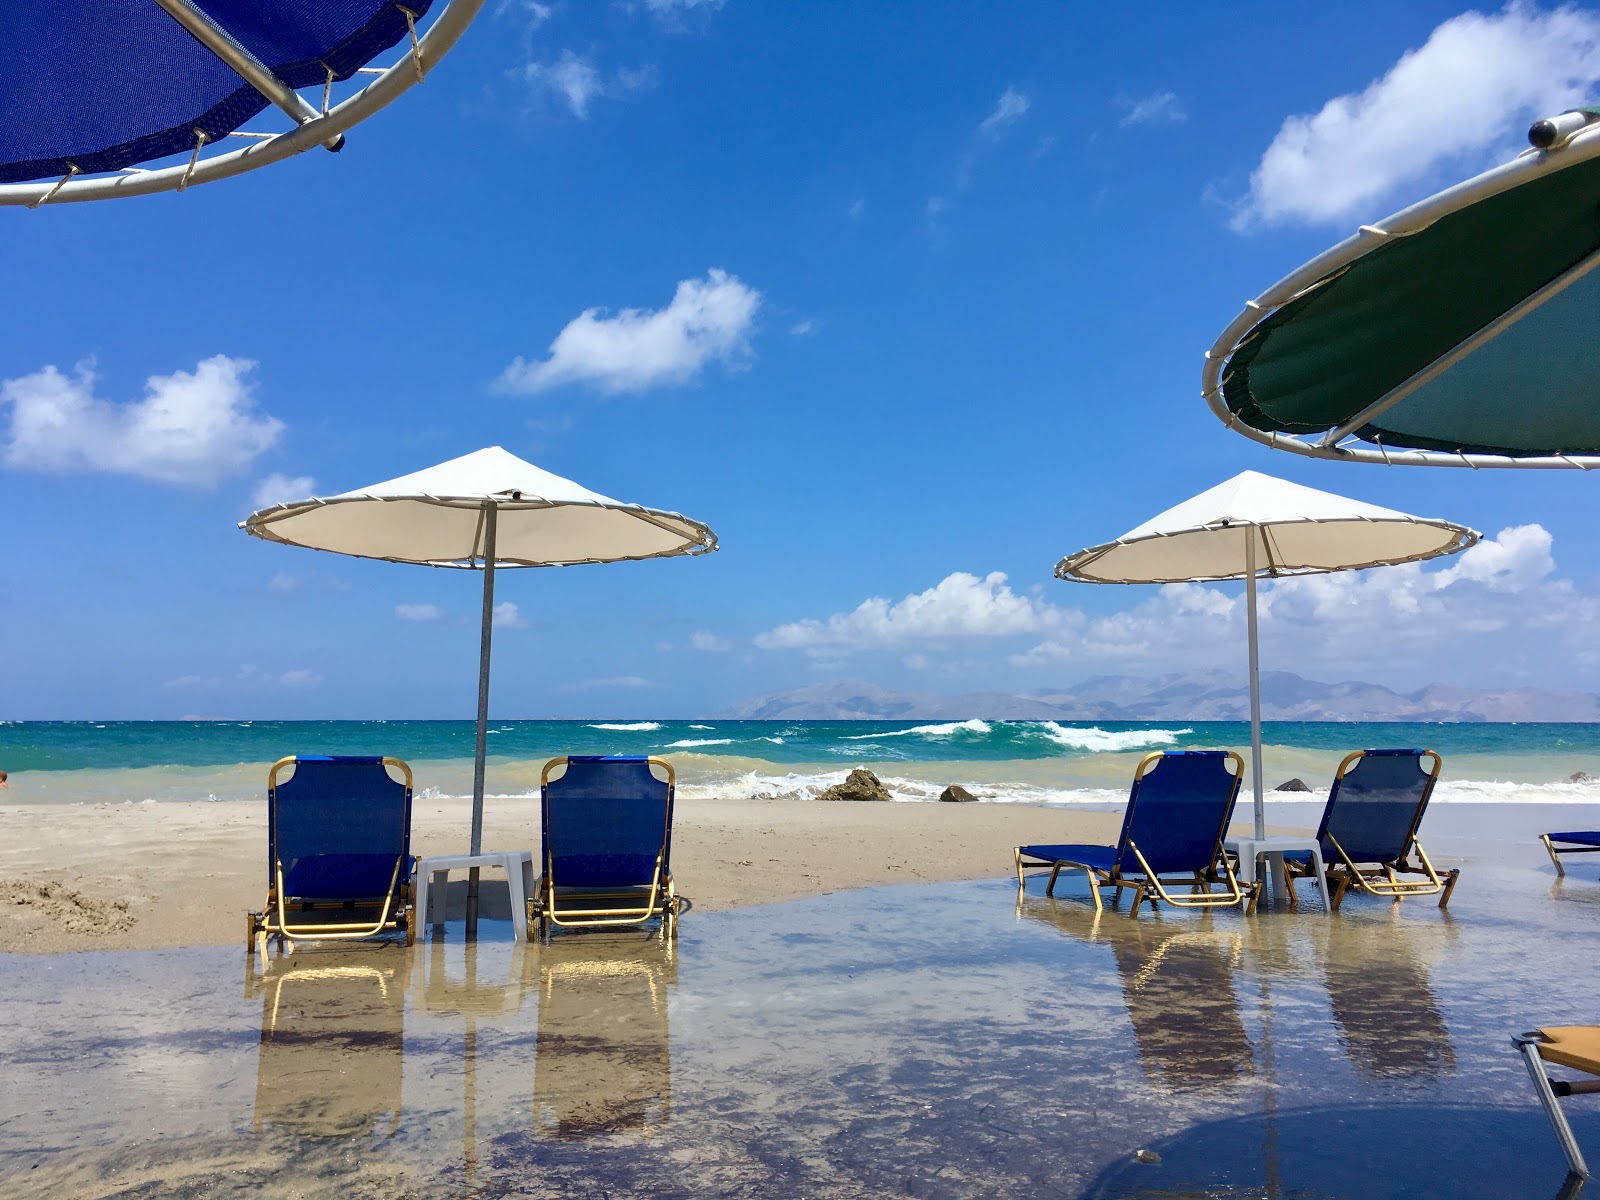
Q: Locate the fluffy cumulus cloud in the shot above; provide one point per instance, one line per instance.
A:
(1008, 110)
(959, 607)
(192, 427)
(419, 612)
(282, 489)
(1497, 600)
(1453, 102)
(703, 639)
(709, 320)
(1158, 108)
(1501, 602)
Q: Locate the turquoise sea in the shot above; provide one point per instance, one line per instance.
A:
(1001, 761)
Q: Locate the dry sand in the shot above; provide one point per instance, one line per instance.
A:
(149, 876)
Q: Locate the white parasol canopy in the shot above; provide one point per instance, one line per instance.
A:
(1255, 525)
(483, 510)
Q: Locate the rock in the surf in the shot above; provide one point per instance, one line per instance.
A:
(1579, 777)
(860, 784)
(1292, 785)
(956, 794)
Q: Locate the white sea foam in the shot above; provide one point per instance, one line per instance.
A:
(702, 727)
(776, 741)
(631, 727)
(755, 785)
(946, 730)
(1101, 740)
(690, 743)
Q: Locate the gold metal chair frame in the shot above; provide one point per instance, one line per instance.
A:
(1555, 855)
(272, 921)
(1383, 880)
(1151, 887)
(662, 900)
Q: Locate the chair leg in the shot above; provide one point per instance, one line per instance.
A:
(1551, 850)
(1450, 877)
(1527, 1045)
(1050, 888)
(1340, 886)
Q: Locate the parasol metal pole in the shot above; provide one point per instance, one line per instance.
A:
(480, 751)
(1255, 680)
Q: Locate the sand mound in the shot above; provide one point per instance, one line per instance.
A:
(61, 906)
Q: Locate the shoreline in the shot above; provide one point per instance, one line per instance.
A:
(181, 874)
(187, 871)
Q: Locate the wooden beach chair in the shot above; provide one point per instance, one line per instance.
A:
(1369, 828)
(605, 844)
(1177, 816)
(339, 860)
(1576, 842)
(1576, 1047)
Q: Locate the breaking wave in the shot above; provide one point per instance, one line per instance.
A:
(945, 730)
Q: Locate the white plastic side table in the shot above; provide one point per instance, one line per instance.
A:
(1251, 849)
(517, 864)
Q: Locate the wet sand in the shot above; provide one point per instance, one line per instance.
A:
(188, 871)
(938, 1041)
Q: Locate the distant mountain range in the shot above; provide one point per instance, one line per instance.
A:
(1198, 696)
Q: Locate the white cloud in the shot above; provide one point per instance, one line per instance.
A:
(678, 6)
(1158, 108)
(1497, 612)
(572, 77)
(709, 319)
(419, 612)
(282, 489)
(1453, 102)
(703, 639)
(578, 81)
(858, 205)
(1516, 560)
(282, 583)
(508, 616)
(191, 427)
(299, 679)
(1494, 602)
(960, 606)
(1011, 108)
(803, 327)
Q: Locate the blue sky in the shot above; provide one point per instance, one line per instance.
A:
(899, 299)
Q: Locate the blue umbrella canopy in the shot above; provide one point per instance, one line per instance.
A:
(89, 87)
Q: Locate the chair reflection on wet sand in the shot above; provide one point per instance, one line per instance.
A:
(1382, 997)
(332, 1042)
(602, 1064)
(1178, 986)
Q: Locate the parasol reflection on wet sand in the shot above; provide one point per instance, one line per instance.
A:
(941, 1040)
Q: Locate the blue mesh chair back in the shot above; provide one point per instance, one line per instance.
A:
(1178, 812)
(338, 825)
(1375, 806)
(102, 86)
(605, 822)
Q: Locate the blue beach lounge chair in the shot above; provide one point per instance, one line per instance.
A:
(339, 860)
(1576, 1047)
(1369, 828)
(1577, 842)
(1178, 814)
(605, 844)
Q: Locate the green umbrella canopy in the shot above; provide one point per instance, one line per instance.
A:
(1458, 332)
